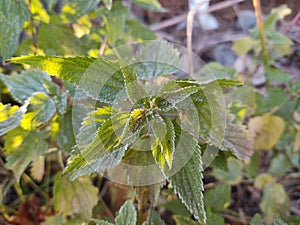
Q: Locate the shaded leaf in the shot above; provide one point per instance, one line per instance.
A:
(155, 59)
(114, 22)
(234, 173)
(218, 198)
(22, 148)
(13, 14)
(154, 219)
(74, 9)
(79, 196)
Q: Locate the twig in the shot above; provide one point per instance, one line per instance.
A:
(182, 17)
(103, 46)
(34, 40)
(258, 12)
(294, 21)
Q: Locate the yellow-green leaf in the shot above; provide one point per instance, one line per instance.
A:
(266, 130)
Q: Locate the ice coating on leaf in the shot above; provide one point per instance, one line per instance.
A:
(155, 59)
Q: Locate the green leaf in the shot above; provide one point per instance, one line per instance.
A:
(99, 78)
(154, 219)
(280, 164)
(108, 4)
(155, 59)
(56, 38)
(138, 31)
(217, 70)
(188, 184)
(214, 218)
(177, 207)
(13, 14)
(66, 138)
(40, 110)
(256, 220)
(22, 148)
(277, 75)
(10, 117)
(164, 146)
(218, 198)
(126, 215)
(278, 221)
(75, 9)
(275, 201)
(234, 173)
(23, 86)
(275, 15)
(114, 22)
(152, 5)
(242, 46)
(79, 196)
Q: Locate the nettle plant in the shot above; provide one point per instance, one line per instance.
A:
(139, 122)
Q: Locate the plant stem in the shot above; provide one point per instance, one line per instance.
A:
(260, 24)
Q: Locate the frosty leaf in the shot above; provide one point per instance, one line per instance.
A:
(164, 146)
(127, 214)
(278, 221)
(187, 183)
(13, 14)
(40, 110)
(99, 78)
(156, 59)
(23, 147)
(23, 86)
(172, 94)
(79, 196)
(104, 143)
(10, 117)
(37, 169)
(99, 165)
(238, 139)
(134, 89)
